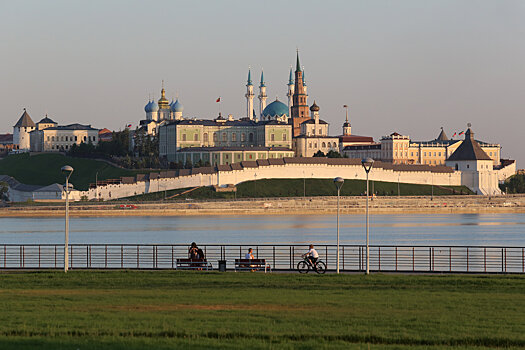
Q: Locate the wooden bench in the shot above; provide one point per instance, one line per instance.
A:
(252, 265)
(193, 264)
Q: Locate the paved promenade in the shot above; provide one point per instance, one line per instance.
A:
(281, 206)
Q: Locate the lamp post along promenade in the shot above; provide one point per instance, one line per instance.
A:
(338, 181)
(367, 165)
(67, 170)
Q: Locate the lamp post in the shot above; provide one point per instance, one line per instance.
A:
(67, 170)
(338, 181)
(367, 165)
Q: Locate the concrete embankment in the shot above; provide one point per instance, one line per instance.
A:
(284, 206)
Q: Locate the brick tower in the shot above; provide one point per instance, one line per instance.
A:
(300, 109)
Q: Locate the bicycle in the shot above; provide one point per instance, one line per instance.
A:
(305, 266)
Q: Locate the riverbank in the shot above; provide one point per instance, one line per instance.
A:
(282, 206)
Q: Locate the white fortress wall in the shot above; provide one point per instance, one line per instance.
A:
(284, 171)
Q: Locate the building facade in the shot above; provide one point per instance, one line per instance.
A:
(61, 138)
(21, 132)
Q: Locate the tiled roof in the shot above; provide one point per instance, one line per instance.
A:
(25, 121)
(469, 149)
(312, 121)
(75, 126)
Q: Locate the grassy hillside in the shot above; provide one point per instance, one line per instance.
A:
(313, 187)
(199, 310)
(44, 169)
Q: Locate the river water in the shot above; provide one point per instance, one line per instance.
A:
(438, 229)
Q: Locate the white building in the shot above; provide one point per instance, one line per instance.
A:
(477, 168)
(314, 136)
(62, 137)
(21, 132)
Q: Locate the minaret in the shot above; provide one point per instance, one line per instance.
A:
(249, 96)
(347, 128)
(290, 93)
(300, 105)
(262, 95)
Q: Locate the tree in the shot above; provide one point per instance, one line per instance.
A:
(4, 187)
(319, 154)
(515, 184)
(334, 154)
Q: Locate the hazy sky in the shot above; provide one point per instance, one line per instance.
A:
(405, 66)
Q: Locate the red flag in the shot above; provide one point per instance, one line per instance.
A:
(454, 134)
(461, 133)
(218, 100)
(129, 126)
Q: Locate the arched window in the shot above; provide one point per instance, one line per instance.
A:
(243, 137)
(234, 137)
(250, 137)
(224, 137)
(324, 145)
(196, 137)
(215, 137)
(335, 145)
(205, 137)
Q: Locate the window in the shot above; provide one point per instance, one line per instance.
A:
(183, 137)
(205, 137)
(468, 166)
(439, 154)
(224, 137)
(52, 138)
(76, 138)
(284, 138)
(48, 138)
(243, 137)
(196, 137)
(272, 137)
(411, 154)
(320, 131)
(250, 137)
(324, 145)
(234, 137)
(310, 145)
(315, 145)
(434, 154)
(215, 137)
(84, 138)
(425, 154)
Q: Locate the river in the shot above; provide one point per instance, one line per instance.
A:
(438, 229)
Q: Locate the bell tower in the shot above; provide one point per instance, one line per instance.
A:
(300, 104)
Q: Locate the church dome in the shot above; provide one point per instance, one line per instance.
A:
(276, 108)
(315, 107)
(177, 106)
(151, 107)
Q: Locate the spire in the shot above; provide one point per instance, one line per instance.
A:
(298, 65)
(262, 79)
(290, 80)
(304, 80)
(249, 77)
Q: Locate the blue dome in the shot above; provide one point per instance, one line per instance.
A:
(177, 106)
(276, 108)
(152, 106)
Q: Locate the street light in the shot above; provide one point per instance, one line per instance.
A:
(367, 165)
(67, 170)
(338, 181)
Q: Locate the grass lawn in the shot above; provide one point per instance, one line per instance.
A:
(169, 309)
(44, 169)
(311, 187)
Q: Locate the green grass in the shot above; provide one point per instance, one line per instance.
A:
(44, 169)
(168, 309)
(314, 187)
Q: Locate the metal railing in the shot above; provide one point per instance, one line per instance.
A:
(387, 258)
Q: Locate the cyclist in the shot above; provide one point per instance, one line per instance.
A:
(312, 255)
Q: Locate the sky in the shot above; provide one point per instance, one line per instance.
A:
(406, 66)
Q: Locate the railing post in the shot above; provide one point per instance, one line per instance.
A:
(106, 256)
(485, 259)
(273, 257)
(326, 255)
(121, 256)
(505, 259)
(20, 257)
(5, 258)
(87, 256)
(430, 259)
(379, 257)
(172, 255)
(501, 259)
(55, 256)
(522, 260)
(396, 258)
(413, 259)
(360, 260)
(257, 252)
(39, 255)
(467, 259)
(449, 259)
(343, 257)
(138, 259)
